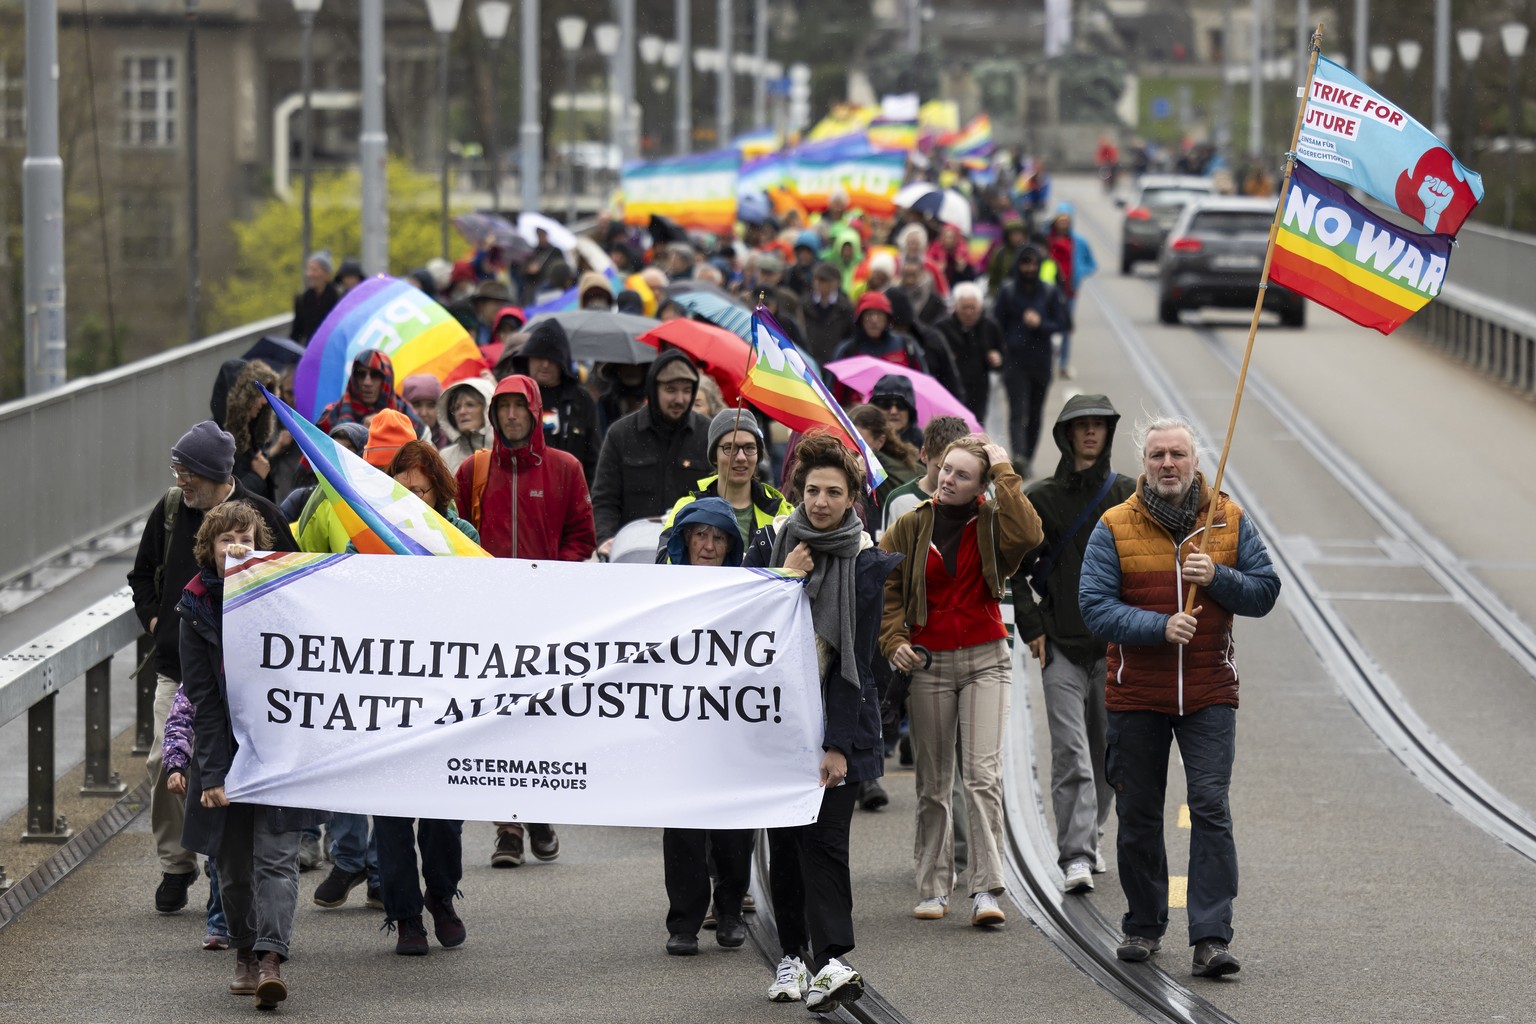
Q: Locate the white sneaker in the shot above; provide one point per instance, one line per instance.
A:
(1099, 867)
(985, 911)
(1079, 874)
(790, 981)
(932, 908)
(834, 985)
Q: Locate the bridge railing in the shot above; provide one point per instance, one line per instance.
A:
(94, 455)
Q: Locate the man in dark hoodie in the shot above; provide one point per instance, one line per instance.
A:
(894, 396)
(1072, 659)
(653, 456)
(1029, 311)
(570, 413)
(936, 353)
(528, 500)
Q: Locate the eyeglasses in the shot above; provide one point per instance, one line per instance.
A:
(730, 450)
(888, 403)
(364, 373)
(420, 492)
(180, 474)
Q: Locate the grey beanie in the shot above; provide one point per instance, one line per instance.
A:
(323, 258)
(725, 422)
(206, 451)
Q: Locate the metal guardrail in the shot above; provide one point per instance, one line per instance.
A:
(91, 456)
(31, 677)
(1490, 336)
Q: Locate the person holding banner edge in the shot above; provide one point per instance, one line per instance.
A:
(845, 577)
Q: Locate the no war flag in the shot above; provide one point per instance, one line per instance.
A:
(1336, 252)
(1355, 135)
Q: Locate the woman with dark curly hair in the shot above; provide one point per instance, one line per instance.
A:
(250, 420)
(845, 580)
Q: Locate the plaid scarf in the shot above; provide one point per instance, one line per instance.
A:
(1179, 519)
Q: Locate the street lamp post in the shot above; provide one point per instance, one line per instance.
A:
(1469, 43)
(1513, 35)
(1408, 53)
(707, 60)
(677, 55)
(1256, 85)
(741, 64)
(799, 96)
(572, 32)
(1438, 122)
(629, 128)
(373, 140)
(530, 142)
(607, 37)
(650, 56)
(494, 15)
(725, 98)
(1381, 61)
(445, 19)
(307, 9)
(42, 173)
(760, 55)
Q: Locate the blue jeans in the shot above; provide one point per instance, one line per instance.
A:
(442, 861)
(216, 923)
(1136, 764)
(354, 847)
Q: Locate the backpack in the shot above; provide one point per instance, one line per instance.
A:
(172, 509)
(482, 474)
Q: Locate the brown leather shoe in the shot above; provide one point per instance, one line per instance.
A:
(270, 988)
(245, 973)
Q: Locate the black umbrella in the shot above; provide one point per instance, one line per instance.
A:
(477, 227)
(277, 352)
(598, 336)
(665, 230)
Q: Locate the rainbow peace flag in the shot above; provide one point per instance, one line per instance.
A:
(385, 313)
(697, 192)
(760, 143)
(975, 139)
(779, 383)
(380, 515)
(893, 135)
(1336, 252)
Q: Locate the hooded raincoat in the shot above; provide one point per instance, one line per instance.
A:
(570, 413)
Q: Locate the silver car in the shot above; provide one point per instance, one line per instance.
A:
(1159, 200)
(1214, 257)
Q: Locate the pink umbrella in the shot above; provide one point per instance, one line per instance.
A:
(862, 373)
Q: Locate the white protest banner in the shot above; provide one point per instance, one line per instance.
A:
(503, 690)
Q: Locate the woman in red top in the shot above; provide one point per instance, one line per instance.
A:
(944, 597)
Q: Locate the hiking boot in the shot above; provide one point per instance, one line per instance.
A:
(985, 910)
(679, 944)
(410, 937)
(509, 850)
(872, 796)
(333, 891)
(270, 987)
(1079, 876)
(790, 981)
(1137, 948)
(834, 985)
(246, 971)
(543, 842)
(931, 909)
(171, 893)
(309, 852)
(375, 898)
(1213, 959)
(732, 932)
(446, 924)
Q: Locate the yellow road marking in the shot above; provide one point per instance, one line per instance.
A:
(1183, 815)
(1178, 890)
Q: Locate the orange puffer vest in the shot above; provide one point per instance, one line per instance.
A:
(1170, 678)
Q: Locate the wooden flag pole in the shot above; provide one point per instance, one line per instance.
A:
(1258, 303)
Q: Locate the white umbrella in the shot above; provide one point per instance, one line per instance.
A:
(910, 194)
(560, 236)
(945, 205)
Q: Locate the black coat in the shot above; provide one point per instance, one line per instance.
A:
(573, 428)
(647, 463)
(310, 309)
(1029, 348)
(852, 718)
(213, 741)
(970, 349)
(180, 569)
(826, 326)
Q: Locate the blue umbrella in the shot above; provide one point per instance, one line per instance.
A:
(727, 314)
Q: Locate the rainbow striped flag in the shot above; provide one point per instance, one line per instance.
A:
(388, 314)
(697, 191)
(975, 139)
(379, 514)
(779, 383)
(760, 143)
(893, 135)
(1336, 252)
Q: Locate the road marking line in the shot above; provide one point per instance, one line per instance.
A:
(1178, 891)
(1184, 816)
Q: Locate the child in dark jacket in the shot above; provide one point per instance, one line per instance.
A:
(176, 751)
(254, 847)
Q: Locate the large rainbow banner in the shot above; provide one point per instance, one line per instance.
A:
(697, 191)
(1336, 252)
(380, 515)
(870, 177)
(388, 314)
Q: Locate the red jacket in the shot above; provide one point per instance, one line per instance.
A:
(535, 503)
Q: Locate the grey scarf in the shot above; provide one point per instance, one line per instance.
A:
(830, 585)
(1179, 519)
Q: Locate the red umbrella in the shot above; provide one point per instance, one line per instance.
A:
(718, 352)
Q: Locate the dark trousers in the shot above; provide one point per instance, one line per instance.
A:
(1136, 764)
(258, 879)
(1026, 408)
(812, 889)
(442, 861)
(686, 856)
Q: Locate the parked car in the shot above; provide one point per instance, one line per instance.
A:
(1159, 200)
(1214, 256)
